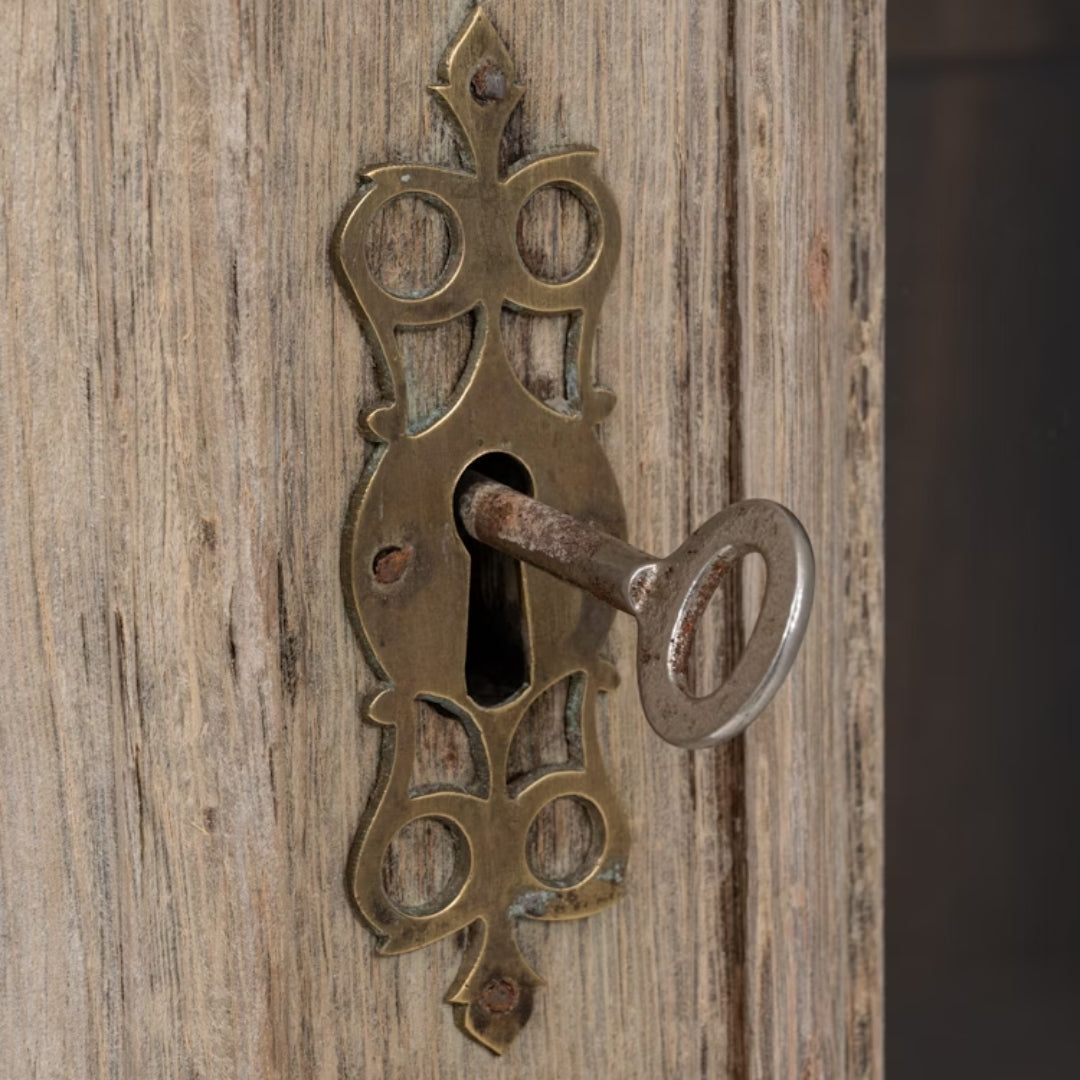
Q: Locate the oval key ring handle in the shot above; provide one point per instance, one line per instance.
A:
(674, 593)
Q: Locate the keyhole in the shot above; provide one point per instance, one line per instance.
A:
(496, 649)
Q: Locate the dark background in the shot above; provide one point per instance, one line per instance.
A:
(983, 591)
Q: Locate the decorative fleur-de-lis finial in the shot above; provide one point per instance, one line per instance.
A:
(477, 85)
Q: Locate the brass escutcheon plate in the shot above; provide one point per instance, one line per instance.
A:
(406, 570)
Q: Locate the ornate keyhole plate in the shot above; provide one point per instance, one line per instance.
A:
(407, 572)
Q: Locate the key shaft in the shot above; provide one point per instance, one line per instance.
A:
(668, 596)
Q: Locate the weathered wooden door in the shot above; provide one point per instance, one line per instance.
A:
(182, 757)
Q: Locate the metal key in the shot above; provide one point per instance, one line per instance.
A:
(668, 596)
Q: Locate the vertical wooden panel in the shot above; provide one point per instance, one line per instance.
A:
(811, 249)
(182, 762)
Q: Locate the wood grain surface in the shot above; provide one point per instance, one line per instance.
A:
(182, 760)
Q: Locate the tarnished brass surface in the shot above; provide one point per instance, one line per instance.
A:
(406, 569)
